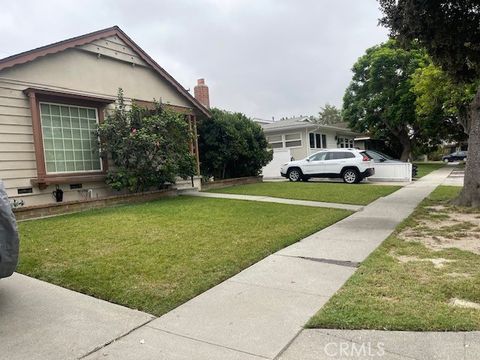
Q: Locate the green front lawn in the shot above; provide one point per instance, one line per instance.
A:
(155, 256)
(359, 194)
(426, 168)
(415, 280)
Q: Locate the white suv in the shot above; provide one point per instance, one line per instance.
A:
(351, 165)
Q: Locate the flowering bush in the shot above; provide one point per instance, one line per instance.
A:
(148, 147)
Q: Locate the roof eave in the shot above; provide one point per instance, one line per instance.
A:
(311, 125)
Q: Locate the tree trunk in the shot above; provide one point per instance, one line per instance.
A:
(406, 147)
(470, 195)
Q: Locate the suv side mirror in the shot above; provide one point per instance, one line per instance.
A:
(308, 159)
(382, 160)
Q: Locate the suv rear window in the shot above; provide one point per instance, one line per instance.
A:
(336, 155)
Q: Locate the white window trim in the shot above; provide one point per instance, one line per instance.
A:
(284, 141)
(299, 138)
(345, 141)
(321, 140)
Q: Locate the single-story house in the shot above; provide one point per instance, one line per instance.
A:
(52, 97)
(299, 137)
(303, 137)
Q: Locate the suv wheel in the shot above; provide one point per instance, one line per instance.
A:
(351, 176)
(294, 175)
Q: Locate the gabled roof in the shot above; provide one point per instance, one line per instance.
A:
(302, 121)
(305, 122)
(31, 55)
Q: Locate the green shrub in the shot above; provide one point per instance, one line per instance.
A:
(148, 147)
(231, 145)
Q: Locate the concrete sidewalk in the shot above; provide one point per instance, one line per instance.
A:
(456, 178)
(41, 321)
(257, 313)
(274, 200)
(327, 344)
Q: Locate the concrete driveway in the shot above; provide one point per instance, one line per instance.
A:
(43, 321)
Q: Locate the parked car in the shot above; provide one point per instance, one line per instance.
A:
(8, 236)
(456, 156)
(351, 165)
(380, 157)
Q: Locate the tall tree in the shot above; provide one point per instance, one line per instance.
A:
(329, 115)
(450, 31)
(380, 100)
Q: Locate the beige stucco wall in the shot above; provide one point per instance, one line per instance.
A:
(73, 70)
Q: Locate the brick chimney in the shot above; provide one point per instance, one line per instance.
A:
(200, 92)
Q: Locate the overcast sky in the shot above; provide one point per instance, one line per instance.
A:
(261, 57)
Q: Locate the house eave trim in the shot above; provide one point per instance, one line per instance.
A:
(68, 95)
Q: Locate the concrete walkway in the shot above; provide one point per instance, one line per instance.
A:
(41, 321)
(257, 313)
(326, 344)
(455, 178)
(274, 200)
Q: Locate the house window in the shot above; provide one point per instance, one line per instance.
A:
(293, 140)
(282, 141)
(317, 141)
(345, 143)
(275, 141)
(70, 142)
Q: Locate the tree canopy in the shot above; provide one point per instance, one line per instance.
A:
(450, 32)
(380, 99)
(448, 29)
(329, 115)
(438, 96)
(231, 145)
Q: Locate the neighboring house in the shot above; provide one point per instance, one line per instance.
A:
(303, 137)
(448, 148)
(52, 99)
(262, 121)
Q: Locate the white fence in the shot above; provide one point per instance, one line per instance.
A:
(392, 172)
(280, 157)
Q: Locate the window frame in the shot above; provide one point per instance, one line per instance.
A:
(345, 142)
(37, 96)
(80, 172)
(283, 141)
(317, 136)
(284, 138)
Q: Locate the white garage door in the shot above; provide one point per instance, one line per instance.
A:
(272, 169)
